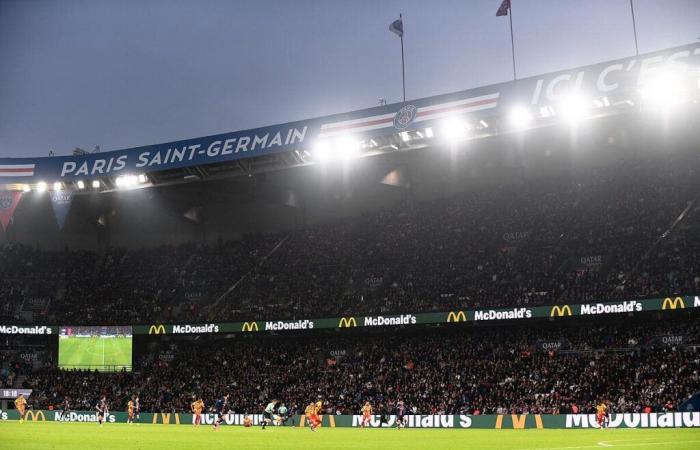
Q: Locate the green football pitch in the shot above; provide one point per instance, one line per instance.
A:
(107, 354)
(70, 436)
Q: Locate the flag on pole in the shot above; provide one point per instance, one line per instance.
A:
(503, 9)
(396, 27)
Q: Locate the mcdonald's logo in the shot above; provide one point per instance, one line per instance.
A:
(560, 311)
(250, 326)
(156, 329)
(347, 322)
(673, 304)
(519, 422)
(458, 316)
(166, 418)
(35, 416)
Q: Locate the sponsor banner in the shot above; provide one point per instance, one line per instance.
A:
(615, 80)
(8, 202)
(637, 420)
(455, 316)
(27, 329)
(61, 201)
(499, 422)
(516, 236)
(591, 261)
(552, 345)
(669, 340)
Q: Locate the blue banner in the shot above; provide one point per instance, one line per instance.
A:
(614, 81)
(61, 201)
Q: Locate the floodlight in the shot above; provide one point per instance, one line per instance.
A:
(321, 151)
(348, 148)
(663, 89)
(57, 186)
(142, 178)
(81, 184)
(453, 129)
(520, 117)
(41, 186)
(26, 188)
(573, 107)
(95, 184)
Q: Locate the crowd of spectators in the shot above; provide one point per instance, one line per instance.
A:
(476, 370)
(593, 234)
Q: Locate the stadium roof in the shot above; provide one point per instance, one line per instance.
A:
(658, 80)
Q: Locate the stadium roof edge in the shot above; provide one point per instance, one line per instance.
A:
(612, 85)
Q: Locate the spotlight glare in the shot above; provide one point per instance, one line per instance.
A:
(26, 188)
(663, 89)
(57, 186)
(573, 108)
(41, 186)
(95, 184)
(520, 117)
(453, 129)
(348, 148)
(81, 184)
(405, 136)
(321, 151)
(428, 132)
(142, 178)
(125, 181)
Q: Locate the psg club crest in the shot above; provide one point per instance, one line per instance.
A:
(405, 117)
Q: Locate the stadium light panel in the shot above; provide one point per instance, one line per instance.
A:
(663, 90)
(321, 151)
(453, 129)
(41, 186)
(428, 132)
(95, 184)
(81, 184)
(125, 181)
(348, 148)
(520, 117)
(57, 186)
(574, 108)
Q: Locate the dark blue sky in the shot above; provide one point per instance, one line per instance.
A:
(124, 73)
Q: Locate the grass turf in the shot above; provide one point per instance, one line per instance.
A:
(56, 435)
(94, 353)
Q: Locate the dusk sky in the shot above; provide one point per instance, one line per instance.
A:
(125, 73)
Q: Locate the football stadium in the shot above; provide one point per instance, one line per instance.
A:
(509, 266)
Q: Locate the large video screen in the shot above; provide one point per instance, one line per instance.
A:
(107, 349)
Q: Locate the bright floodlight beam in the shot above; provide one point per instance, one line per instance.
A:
(81, 184)
(663, 89)
(321, 151)
(573, 108)
(95, 184)
(520, 117)
(41, 186)
(57, 186)
(453, 129)
(348, 148)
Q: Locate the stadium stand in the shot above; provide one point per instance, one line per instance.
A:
(594, 234)
(482, 370)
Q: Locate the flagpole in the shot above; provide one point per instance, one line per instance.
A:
(634, 28)
(512, 41)
(403, 69)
